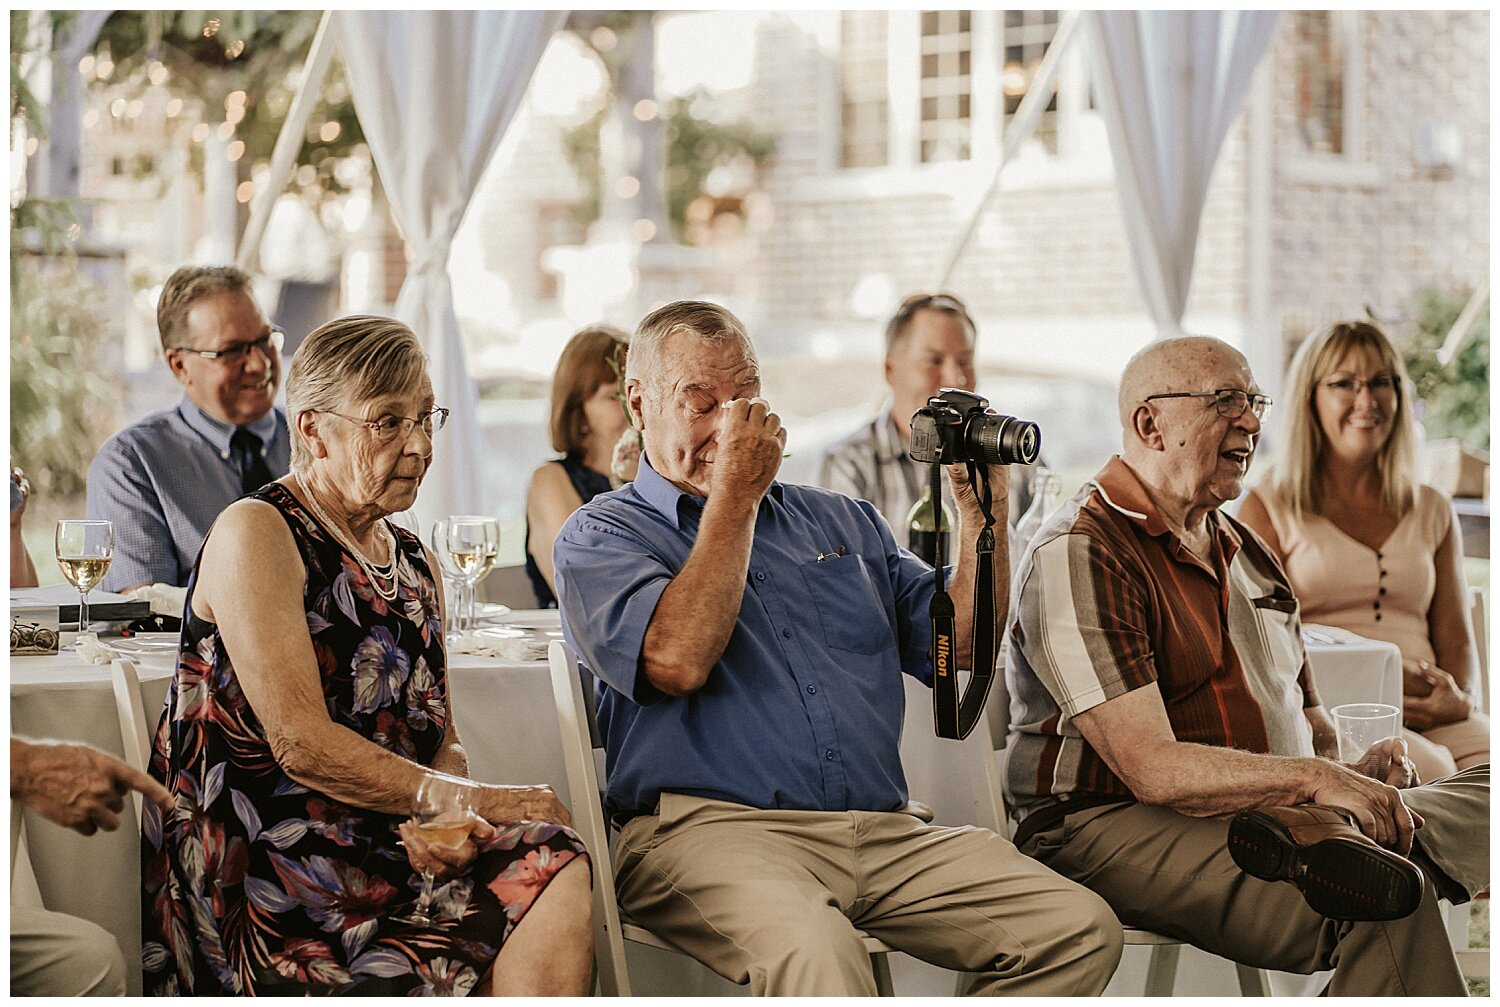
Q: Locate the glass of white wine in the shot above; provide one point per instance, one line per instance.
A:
(444, 812)
(84, 551)
(472, 543)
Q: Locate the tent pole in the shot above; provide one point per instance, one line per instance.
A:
(1464, 324)
(1022, 125)
(289, 142)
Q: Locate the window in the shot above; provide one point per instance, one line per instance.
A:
(945, 90)
(1320, 49)
(1027, 35)
(863, 80)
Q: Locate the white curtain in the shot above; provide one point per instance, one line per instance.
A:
(435, 91)
(1169, 85)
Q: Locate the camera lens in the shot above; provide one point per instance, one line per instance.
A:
(1003, 440)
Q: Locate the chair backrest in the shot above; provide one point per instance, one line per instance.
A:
(135, 732)
(1481, 645)
(575, 721)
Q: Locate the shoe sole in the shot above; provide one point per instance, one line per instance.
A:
(1342, 879)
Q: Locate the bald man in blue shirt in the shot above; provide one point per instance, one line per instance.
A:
(749, 638)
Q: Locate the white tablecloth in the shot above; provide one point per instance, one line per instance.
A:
(503, 710)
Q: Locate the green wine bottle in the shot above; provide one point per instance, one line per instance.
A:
(926, 522)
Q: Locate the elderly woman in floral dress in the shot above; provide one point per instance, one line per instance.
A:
(310, 701)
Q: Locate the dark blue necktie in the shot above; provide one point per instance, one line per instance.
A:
(254, 472)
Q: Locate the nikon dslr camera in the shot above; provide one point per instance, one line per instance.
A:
(958, 426)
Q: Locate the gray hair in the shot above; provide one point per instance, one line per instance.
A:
(710, 322)
(351, 359)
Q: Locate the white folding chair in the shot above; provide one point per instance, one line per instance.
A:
(1481, 645)
(1161, 973)
(135, 731)
(575, 722)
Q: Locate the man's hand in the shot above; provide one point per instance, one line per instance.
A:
(76, 785)
(1387, 762)
(750, 445)
(1433, 697)
(1377, 807)
(967, 495)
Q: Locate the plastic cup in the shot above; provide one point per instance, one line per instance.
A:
(1363, 725)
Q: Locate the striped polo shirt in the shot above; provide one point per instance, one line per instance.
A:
(1108, 600)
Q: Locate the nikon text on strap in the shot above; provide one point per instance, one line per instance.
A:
(954, 717)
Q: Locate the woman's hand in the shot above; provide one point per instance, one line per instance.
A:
(443, 862)
(1436, 699)
(522, 804)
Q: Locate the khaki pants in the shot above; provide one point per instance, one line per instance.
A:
(773, 898)
(1172, 874)
(52, 954)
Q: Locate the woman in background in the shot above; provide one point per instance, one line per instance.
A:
(587, 421)
(1366, 546)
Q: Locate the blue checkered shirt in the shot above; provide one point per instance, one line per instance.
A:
(164, 480)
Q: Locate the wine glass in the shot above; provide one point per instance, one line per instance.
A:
(444, 812)
(84, 551)
(472, 543)
(438, 539)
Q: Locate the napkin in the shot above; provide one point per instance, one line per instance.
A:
(504, 648)
(94, 652)
(165, 599)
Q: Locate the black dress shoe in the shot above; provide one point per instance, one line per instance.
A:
(1341, 873)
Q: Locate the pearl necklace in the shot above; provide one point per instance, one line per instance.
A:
(376, 573)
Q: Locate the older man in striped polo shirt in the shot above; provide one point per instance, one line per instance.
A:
(1159, 688)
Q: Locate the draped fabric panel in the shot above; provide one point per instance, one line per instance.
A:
(435, 91)
(1169, 86)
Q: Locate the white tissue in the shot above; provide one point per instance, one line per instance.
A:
(165, 599)
(92, 651)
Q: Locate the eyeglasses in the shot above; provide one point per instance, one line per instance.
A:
(1231, 402)
(1348, 389)
(392, 428)
(238, 353)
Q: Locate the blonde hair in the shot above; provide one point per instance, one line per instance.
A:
(595, 356)
(1297, 475)
(707, 321)
(352, 359)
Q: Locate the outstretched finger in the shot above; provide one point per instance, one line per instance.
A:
(134, 779)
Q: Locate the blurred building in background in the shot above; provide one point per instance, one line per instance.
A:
(810, 169)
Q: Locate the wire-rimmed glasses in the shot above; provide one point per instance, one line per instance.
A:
(1230, 402)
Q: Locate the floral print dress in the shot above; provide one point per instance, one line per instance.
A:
(256, 884)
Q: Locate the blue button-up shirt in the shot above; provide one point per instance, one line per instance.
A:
(164, 480)
(803, 710)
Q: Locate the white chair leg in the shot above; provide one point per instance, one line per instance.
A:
(1254, 982)
(1161, 974)
(882, 969)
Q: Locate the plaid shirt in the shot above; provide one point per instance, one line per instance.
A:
(1109, 600)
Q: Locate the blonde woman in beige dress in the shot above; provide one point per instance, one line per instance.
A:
(1367, 548)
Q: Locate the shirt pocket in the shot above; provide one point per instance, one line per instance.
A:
(1280, 633)
(853, 615)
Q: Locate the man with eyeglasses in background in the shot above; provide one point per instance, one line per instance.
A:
(929, 344)
(163, 480)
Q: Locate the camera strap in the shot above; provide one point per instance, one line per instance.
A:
(955, 717)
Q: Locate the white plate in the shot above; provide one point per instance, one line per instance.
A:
(145, 643)
(531, 618)
(487, 610)
(502, 633)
